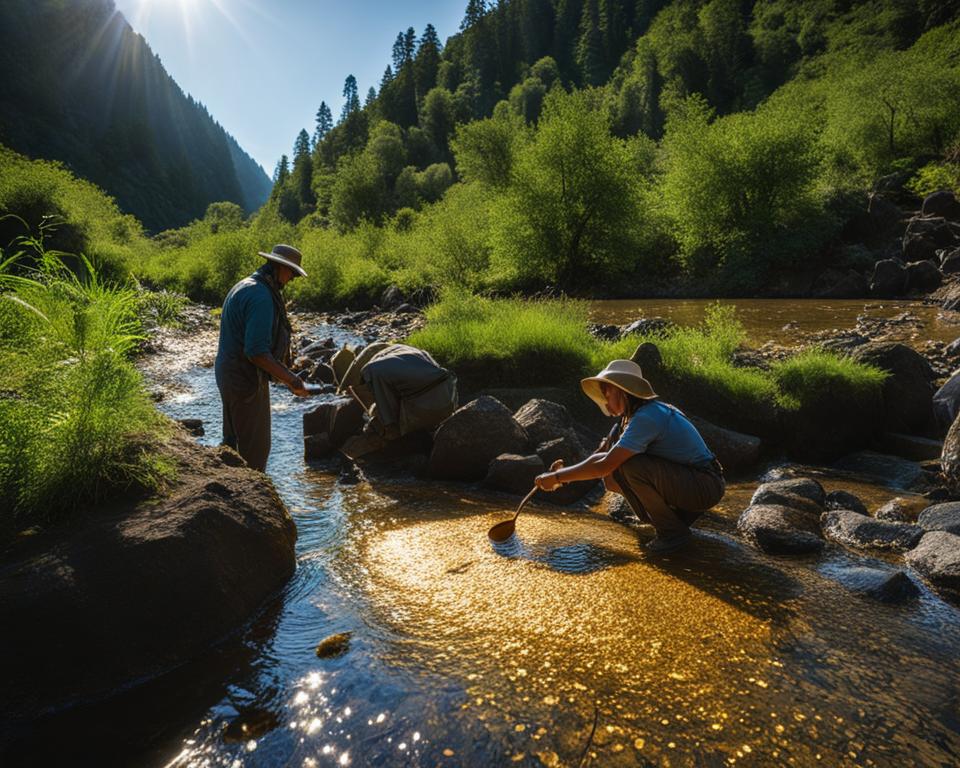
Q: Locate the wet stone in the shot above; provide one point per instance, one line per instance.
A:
(779, 530)
(845, 500)
(334, 645)
(937, 559)
(512, 473)
(897, 510)
(891, 470)
(855, 530)
(193, 426)
(804, 487)
(765, 495)
(883, 584)
(941, 517)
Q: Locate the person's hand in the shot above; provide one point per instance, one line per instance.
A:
(558, 464)
(298, 388)
(548, 482)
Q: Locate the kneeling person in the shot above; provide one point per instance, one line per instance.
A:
(660, 464)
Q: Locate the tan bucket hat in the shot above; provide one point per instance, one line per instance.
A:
(623, 374)
(286, 255)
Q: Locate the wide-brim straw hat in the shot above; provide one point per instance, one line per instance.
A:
(623, 374)
(288, 256)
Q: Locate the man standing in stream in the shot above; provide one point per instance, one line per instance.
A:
(254, 348)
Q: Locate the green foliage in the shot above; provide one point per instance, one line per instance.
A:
(75, 417)
(486, 149)
(741, 190)
(812, 376)
(934, 177)
(572, 207)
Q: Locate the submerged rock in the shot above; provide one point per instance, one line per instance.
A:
(897, 510)
(883, 584)
(334, 645)
(855, 530)
(891, 470)
(845, 500)
(937, 559)
(779, 530)
(941, 517)
(467, 441)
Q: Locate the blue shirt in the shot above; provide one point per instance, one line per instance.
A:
(246, 330)
(661, 430)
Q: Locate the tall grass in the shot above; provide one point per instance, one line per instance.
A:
(75, 419)
(813, 375)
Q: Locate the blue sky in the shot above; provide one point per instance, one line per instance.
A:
(263, 67)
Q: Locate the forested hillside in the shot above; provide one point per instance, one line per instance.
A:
(80, 86)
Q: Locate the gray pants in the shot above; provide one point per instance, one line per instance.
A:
(246, 425)
(667, 495)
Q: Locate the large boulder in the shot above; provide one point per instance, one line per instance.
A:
(950, 261)
(935, 229)
(913, 447)
(513, 473)
(884, 214)
(779, 530)
(908, 390)
(855, 530)
(734, 450)
(128, 592)
(941, 517)
(937, 559)
(466, 442)
(943, 203)
(544, 420)
(923, 277)
(950, 458)
(918, 247)
(889, 279)
(888, 585)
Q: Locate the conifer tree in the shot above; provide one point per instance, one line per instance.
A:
(476, 10)
(351, 97)
(324, 123)
(427, 62)
(387, 78)
(371, 97)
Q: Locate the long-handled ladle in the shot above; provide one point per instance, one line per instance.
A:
(505, 528)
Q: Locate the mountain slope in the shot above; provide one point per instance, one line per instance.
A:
(80, 86)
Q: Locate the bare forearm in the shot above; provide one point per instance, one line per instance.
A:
(271, 365)
(591, 468)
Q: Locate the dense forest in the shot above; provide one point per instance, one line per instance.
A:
(599, 147)
(80, 86)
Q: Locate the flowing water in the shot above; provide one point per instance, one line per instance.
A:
(567, 645)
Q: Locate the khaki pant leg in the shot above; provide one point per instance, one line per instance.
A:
(246, 426)
(668, 495)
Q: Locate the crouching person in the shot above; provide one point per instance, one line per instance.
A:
(660, 463)
(402, 389)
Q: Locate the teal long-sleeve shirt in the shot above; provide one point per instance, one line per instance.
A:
(246, 330)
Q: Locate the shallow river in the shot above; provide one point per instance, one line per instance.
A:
(466, 654)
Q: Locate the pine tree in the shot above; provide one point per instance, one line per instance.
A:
(409, 44)
(398, 55)
(387, 78)
(324, 123)
(591, 59)
(476, 10)
(427, 62)
(371, 97)
(301, 147)
(280, 175)
(351, 97)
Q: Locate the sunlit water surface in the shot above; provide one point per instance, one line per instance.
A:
(463, 653)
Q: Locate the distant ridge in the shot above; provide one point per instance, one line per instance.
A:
(80, 86)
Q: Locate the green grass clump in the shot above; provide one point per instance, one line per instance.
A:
(508, 341)
(814, 375)
(75, 418)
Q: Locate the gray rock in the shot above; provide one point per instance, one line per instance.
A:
(647, 356)
(735, 450)
(889, 279)
(946, 400)
(936, 229)
(474, 435)
(845, 500)
(780, 530)
(392, 297)
(911, 447)
(894, 471)
(897, 510)
(193, 426)
(942, 203)
(618, 508)
(321, 374)
(767, 495)
(567, 448)
(908, 390)
(918, 247)
(950, 458)
(941, 517)
(883, 584)
(937, 559)
(647, 326)
(806, 487)
(338, 418)
(855, 530)
(923, 277)
(950, 261)
(544, 420)
(512, 473)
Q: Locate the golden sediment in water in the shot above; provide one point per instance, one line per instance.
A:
(568, 613)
